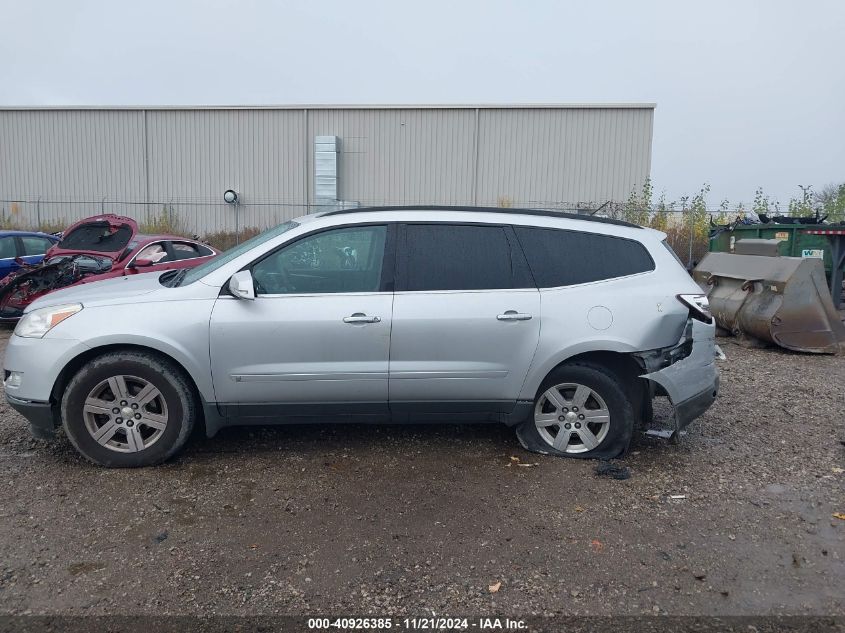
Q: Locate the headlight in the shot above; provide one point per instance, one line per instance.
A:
(38, 322)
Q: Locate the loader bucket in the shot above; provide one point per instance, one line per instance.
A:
(782, 300)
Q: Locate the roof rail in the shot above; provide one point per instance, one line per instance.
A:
(505, 211)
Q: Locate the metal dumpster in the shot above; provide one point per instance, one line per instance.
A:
(794, 241)
(782, 300)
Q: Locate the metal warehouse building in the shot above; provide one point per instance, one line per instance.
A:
(61, 164)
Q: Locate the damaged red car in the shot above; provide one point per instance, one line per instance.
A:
(97, 248)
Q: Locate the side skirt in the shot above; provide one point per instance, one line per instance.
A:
(219, 415)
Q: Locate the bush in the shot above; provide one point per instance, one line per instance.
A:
(224, 240)
(167, 222)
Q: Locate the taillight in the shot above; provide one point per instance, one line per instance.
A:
(699, 307)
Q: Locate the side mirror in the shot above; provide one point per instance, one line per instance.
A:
(241, 286)
(142, 263)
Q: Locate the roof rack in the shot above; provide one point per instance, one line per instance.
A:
(504, 211)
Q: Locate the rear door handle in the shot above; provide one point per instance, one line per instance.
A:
(359, 317)
(512, 315)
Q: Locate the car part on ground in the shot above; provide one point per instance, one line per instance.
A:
(780, 300)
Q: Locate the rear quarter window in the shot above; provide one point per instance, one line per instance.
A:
(560, 257)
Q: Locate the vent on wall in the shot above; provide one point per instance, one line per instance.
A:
(325, 169)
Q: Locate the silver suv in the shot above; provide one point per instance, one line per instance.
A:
(563, 326)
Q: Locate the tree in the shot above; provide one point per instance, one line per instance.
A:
(831, 201)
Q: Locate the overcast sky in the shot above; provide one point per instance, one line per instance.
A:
(748, 93)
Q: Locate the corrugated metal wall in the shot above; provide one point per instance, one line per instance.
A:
(62, 164)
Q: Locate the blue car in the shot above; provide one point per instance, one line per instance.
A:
(28, 246)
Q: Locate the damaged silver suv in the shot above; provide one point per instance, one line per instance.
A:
(563, 326)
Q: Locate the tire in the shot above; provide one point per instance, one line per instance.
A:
(156, 420)
(594, 438)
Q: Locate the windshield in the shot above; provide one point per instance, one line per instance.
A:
(213, 264)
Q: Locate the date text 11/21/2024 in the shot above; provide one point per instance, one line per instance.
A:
(417, 624)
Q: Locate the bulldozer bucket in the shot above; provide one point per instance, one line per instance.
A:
(782, 300)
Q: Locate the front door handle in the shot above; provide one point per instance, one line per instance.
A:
(359, 317)
(512, 315)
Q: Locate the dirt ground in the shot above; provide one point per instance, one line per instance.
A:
(354, 520)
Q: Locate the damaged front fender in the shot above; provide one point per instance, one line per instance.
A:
(691, 382)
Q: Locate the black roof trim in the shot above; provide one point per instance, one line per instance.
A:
(505, 211)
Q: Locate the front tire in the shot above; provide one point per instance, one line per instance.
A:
(581, 410)
(128, 409)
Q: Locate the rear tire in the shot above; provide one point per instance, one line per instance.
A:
(581, 410)
(129, 409)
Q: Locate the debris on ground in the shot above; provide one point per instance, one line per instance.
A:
(839, 515)
(606, 469)
(597, 545)
(495, 586)
(516, 461)
(677, 497)
(665, 434)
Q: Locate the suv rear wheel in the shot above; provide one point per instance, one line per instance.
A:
(581, 410)
(128, 409)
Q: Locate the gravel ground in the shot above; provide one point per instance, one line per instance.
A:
(354, 520)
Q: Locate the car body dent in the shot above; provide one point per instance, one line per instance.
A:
(691, 383)
(652, 319)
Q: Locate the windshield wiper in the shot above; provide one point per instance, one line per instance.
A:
(177, 279)
(171, 277)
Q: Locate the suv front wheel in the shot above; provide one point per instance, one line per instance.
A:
(128, 409)
(581, 410)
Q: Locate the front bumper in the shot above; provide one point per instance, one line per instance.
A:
(39, 362)
(41, 416)
(692, 382)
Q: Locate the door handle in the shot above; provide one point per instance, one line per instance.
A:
(358, 317)
(512, 315)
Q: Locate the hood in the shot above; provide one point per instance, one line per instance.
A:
(113, 290)
(107, 235)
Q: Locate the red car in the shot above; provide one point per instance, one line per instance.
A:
(97, 248)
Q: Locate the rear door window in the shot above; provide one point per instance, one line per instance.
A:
(184, 250)
(458, 257)
(564, 258)
(7, 248)
(33, 245)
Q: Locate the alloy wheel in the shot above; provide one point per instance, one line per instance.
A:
(125, 413)
(572, 418)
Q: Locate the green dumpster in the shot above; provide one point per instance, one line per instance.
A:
(793, 241)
